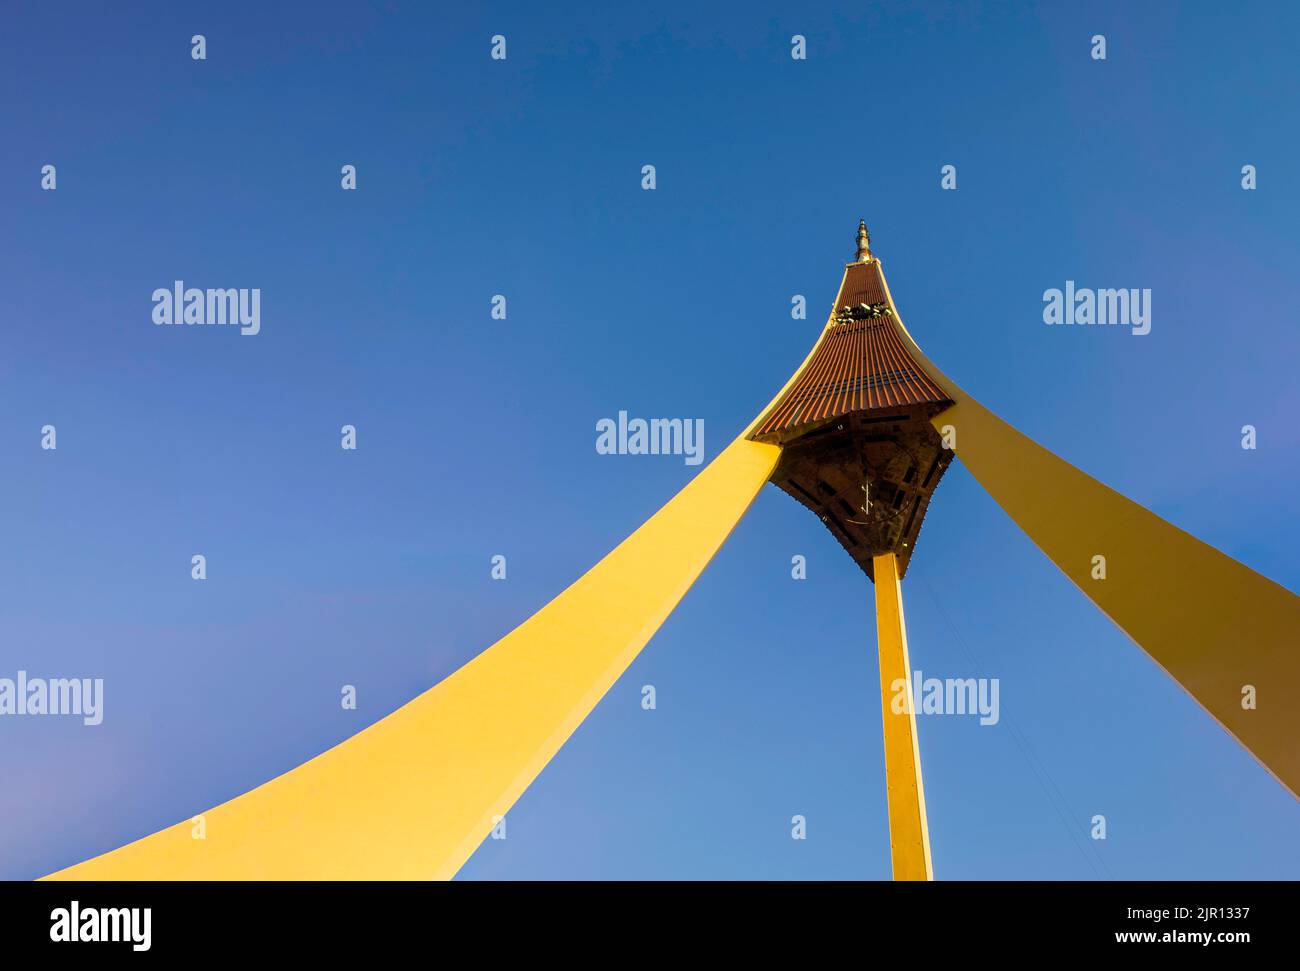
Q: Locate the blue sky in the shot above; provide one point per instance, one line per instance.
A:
(476, 437)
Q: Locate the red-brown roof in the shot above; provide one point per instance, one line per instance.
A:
(859, 363)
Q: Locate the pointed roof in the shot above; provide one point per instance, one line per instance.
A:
(859, 364)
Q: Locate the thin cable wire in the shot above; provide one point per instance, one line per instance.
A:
(1039, 770)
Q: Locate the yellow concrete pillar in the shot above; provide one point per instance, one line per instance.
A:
(909, 836)
(413, 795)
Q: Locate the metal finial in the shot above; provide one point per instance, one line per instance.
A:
(864, 242)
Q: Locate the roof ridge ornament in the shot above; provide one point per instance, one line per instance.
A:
(863, 311)
(864, 243)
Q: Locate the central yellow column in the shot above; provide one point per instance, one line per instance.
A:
(909, 836)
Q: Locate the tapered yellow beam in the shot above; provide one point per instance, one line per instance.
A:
(1229, 636)
(909, 835)
(413, 795)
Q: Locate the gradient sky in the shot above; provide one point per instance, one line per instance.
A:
(476, 437)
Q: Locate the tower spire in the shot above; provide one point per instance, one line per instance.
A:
(864, 243)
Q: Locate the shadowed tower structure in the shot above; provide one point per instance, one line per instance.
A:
(861, 434)
(858, 449)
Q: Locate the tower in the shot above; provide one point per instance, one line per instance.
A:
(860, 434)
(859, 450)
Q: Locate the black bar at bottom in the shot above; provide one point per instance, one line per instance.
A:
(468, 923)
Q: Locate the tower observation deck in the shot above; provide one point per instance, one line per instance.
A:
(858, 448)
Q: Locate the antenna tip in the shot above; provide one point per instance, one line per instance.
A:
(864, 242)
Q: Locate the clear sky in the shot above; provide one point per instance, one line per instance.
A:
(476, 436)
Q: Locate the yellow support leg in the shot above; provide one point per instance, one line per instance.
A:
(1218, 628)
(909, 836)
(413, 795)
